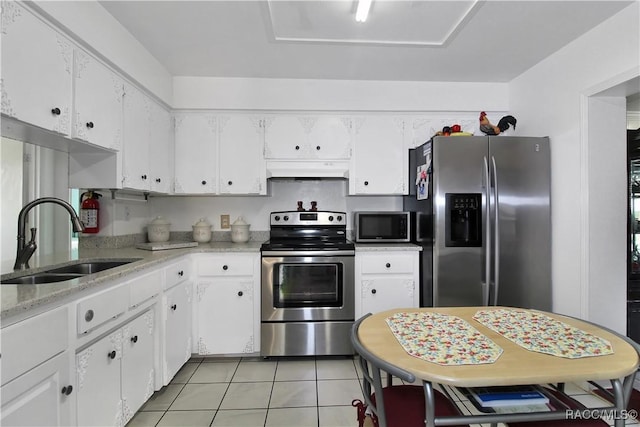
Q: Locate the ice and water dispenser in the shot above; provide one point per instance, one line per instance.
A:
(463, 224)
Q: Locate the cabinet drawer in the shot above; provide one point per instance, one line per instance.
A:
(33, 341)
(387, 264)
(145, 287)
(97, 309)
(226, 266)
(177, 272)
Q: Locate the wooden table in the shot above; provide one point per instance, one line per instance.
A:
(515, 366)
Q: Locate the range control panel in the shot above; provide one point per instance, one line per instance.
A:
(315, 218)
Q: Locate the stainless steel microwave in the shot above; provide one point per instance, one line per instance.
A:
(381, 227)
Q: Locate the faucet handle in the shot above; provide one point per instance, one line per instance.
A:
(33, 235)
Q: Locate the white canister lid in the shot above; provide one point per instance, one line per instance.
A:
(159, 220)
(202, 222)
(240, 221)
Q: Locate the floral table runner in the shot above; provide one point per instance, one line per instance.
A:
(539, 332)
(442, 339)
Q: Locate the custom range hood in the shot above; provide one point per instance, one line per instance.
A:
(307, 169)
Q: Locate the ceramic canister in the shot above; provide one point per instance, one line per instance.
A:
(158, 230)
(240, 231)
(202, 231)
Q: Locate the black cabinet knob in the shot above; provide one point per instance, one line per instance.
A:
(144, 177)
(180, 273)
(297, 147)
(230, 182)
(88, 316)
(388, 265)
(134, 339)
(373, 291)
(318, 147)
(158, 180)
(204, 182)
(66, 390)
(366, 183)
(174, 306)
(90, 125)
(240, 293)
(225, 267)
(55, 111)
(112, 354)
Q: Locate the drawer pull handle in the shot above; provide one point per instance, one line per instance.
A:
(225, 267)
(297, 147)
(230, 182)
(366, 183)
(112, 354)
(180, 273)
(158, 180)
(66, 390)
(318, 147)
(144, 177)
(55, 111)
(373, 291)
(88, 316)
(240, 293)
(204, 182)
(388, 265)
(134, 339)
(174, 307)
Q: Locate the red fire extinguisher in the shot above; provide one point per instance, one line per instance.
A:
(90, 211)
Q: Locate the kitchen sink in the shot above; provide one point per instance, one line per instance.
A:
(36, 279)
(67, 272)
(89, 267)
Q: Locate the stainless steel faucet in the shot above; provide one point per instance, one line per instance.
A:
(26, 250)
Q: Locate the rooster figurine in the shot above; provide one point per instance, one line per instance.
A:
(488, 129)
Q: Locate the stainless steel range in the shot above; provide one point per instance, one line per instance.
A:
(307, 285)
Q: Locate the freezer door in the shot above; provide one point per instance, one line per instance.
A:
(460, 203)
(521, 173)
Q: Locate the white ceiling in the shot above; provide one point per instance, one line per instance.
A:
(487, 41)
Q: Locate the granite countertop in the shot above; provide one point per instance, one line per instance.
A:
(18, 299)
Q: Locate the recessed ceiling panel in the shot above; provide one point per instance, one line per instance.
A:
(408, 23)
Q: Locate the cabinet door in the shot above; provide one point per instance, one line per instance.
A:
(330, 137)
(379, 159)
(383, 293)
(225, 316)
(137, 134)
(137, 363)
(177, 329)
(98, 380)
(285, 137)
(98, 103)
(40, 397)
(161, 150)
(37, 67)
(195, 149)
(241, 159)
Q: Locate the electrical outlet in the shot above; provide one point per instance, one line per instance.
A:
(224, 221)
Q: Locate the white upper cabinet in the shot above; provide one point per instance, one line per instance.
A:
(309, 137)
(37, 64)
(161, 150)
(195, 153)
(241, 161)
(98, 103)
(137, 135)
(380, 159)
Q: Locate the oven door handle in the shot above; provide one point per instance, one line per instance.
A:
(298, 253)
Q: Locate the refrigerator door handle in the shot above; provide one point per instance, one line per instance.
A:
(496, 234)
(487, 245)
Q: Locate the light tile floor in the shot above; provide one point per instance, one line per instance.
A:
(278, 392)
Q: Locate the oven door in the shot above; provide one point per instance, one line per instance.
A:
(307, 288)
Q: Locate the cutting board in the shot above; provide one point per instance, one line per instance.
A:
(161, 246)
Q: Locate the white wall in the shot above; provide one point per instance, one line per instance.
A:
(185, 211)
(336, 95)
(547, 101)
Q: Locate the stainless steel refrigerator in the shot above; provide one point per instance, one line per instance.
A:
(481, 211)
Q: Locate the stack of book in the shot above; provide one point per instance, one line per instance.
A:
(495, 397)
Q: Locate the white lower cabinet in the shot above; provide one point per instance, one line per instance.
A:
(41, 397)
(177, 321)
(115, 375)
(228, 304)
(386, 280)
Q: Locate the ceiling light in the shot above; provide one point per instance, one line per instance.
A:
(363, 10)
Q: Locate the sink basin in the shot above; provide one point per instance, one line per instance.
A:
(67, 272)
(36, 279)
(89, 267)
